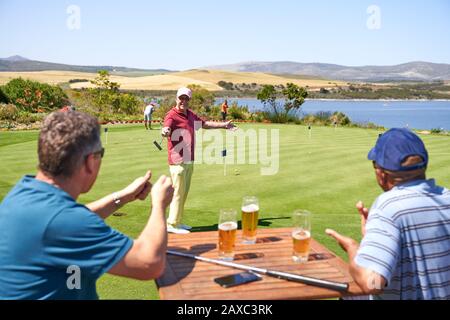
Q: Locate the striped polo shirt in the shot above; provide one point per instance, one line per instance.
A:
(407, 241)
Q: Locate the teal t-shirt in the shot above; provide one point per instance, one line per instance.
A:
(52, 247)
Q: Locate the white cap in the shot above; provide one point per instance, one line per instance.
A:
(184, 91)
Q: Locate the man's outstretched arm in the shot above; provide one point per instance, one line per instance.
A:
(146, 258)
(369, 281)
(219, 125)
(138, 189)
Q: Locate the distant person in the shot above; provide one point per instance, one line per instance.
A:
(405, 249)
(179, 126)
(148, 111)
(67, 108)
(224, 109)
(51, 246)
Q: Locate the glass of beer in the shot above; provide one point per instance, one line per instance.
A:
(227, 233)
(301, 235)
(250, 213)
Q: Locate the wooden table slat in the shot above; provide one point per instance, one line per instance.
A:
(190, 279)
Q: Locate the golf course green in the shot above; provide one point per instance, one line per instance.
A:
(325, 172)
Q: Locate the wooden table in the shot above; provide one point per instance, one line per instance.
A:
(188, 279)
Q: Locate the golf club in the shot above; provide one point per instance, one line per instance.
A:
(224, 154)
(106, 135)
(158, 145)
(338, 286)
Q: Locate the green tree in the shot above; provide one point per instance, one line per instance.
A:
(268, 96)
(294, 96)
(102, 81)
(107, 97)
(202, 100)
(226, 85)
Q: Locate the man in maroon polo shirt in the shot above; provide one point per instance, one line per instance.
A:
(180, 125)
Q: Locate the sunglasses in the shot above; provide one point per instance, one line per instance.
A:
(101, 152)
(183, 97)
(375, 166)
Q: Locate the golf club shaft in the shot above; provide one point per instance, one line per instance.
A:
(338, 286)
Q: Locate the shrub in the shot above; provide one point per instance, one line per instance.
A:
(27, 118)
(436, 130)
(214, 112)
(33, 96)
(238, 113)
(164, 107)
(325, 118)
(226, 85)
(201, 99)
(8, 112)
(3, 97)
(78, 80)
(129, 104)
(367, 125)
(340, 118)
(279, 118)
(258, 116)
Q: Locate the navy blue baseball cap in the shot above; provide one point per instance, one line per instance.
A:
(394, 146)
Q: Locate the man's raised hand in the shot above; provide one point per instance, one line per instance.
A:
(364, 213)
(162, 192)
(138, 189)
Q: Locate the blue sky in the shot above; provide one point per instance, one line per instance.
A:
(177, 35)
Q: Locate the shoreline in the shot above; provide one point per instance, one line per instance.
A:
(360, 100)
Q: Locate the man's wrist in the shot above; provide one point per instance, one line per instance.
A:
(352, 251)
(118, 200)
(157, 207)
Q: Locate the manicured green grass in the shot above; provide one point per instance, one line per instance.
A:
(326, 174)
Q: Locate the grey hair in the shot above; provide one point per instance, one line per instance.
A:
(66, 138)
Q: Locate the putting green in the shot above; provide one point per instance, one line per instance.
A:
(326, 173)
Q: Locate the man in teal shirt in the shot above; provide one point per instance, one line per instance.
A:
(52, 247)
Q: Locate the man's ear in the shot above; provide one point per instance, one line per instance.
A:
(384, 180)
(380, 178)
(89, 164)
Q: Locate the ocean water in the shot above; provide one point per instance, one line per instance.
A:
(415, 114)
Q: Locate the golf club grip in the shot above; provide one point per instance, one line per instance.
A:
(157, 145)
(338, 286)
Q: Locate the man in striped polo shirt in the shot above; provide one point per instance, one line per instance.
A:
(405, 250)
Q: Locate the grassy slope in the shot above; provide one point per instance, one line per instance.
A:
(326, 174)
(51, 77)
(215, 76)
(170, 81)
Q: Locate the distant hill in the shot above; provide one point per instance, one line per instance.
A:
(412, 71)
(14, 59)
(18, 64)
(207, 79)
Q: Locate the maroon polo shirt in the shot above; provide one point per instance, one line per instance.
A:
(181, 144)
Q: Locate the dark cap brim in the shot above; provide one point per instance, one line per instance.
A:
(372, 155)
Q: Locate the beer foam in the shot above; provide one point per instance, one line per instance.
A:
(228, 226)
(250, 208)
(301, 234)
